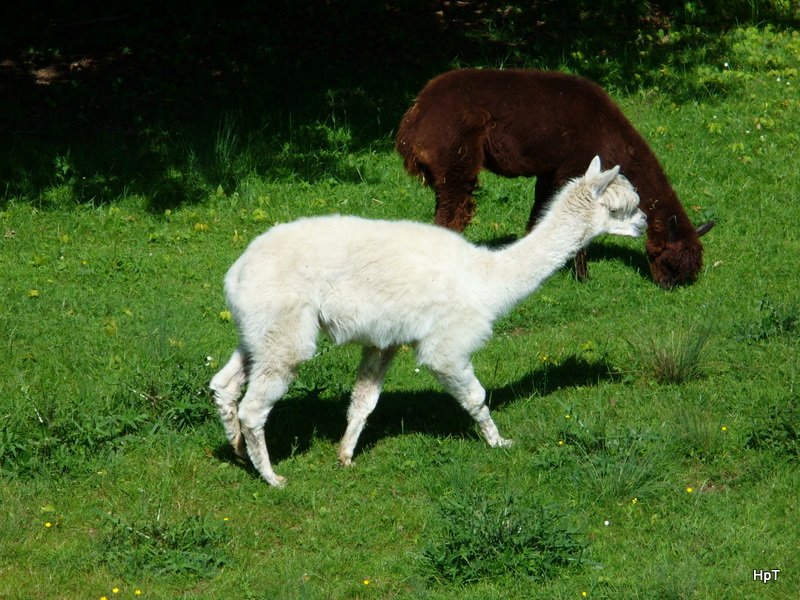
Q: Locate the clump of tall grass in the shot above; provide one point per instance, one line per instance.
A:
(612, 467)
(700, 434)
(676, 359)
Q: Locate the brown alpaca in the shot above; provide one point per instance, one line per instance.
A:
(544, 124)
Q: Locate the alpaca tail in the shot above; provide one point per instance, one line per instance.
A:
(232, 279)
(227, 384)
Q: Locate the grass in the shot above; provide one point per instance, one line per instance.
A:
(623, 483)
(676, 359)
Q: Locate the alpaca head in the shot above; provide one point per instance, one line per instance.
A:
(676, 255)
(612, 200)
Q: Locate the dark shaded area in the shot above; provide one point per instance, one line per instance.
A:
(172, 99)
(608, 251)
(295, 423)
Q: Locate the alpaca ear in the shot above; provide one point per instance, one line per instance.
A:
(594, 168)
(602, 180)
(672, 228)
(704, 228)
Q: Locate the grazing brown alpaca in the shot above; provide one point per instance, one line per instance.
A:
(544, 124)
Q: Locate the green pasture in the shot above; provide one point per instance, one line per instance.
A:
(656, 433)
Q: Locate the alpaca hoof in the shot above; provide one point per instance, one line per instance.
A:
(277, 481)
(504, 443)
(346, 461)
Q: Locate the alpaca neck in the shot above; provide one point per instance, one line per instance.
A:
(518, 270)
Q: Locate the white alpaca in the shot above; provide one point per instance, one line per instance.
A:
(383, 284)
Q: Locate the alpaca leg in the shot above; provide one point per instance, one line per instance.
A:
(543, 194)
(263, 391)
(454, 204)
(465, 387)
(364, 398)
(226, 386)
(581, 266)
(272, 359)
(454, 177)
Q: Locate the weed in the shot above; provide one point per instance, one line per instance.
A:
(226, 147)
(777, 429)
(774, 320)
(187, 411)
(13, 450)
(174, 393)
(321, 149)
(194, 547)
(575, 433)
(67, 436)
(484, 535)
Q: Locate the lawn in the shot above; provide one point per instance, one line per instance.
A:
(656, 432)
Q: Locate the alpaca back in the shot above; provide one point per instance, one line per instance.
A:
(369, 281)
(528, 123)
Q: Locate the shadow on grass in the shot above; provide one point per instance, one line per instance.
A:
(294, 424)
(609, 251)
(168, 100)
